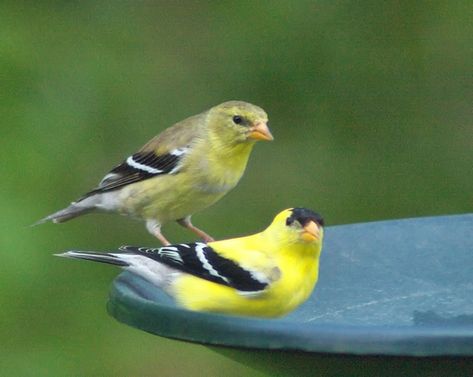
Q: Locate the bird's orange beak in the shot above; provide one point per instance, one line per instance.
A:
(260, 131)
(311, 232)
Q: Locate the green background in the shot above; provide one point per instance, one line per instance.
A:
(370, 104)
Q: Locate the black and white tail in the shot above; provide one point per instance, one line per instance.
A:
(96, 257)
(142, 265)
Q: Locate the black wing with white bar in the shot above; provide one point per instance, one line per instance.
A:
(201, 260)
(141, 166)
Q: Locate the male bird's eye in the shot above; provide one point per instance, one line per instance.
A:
(237, 119)
(290, 221)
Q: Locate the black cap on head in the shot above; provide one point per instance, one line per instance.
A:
(303, 216)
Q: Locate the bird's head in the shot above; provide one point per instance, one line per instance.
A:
(299, 225)
(239, 122)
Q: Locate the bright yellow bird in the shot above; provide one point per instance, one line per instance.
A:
(267, 274)
(185, 169)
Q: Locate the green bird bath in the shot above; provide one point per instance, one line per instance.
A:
(394, 298)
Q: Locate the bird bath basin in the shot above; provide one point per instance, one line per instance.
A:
(394, 298)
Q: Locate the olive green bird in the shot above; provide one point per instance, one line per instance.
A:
(181, 171)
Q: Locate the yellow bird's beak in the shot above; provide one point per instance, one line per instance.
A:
(260, 131)
(311, 232)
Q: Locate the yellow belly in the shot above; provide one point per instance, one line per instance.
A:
(169, 198)
(284, 296)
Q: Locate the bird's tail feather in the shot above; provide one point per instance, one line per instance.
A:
(96, 257)
(155, 272)
(75, 209)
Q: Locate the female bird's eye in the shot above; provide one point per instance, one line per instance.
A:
(237, 119)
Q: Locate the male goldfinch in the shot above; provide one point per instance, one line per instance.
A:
(185, 169)
(267, 274)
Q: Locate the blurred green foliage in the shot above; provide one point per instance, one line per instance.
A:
(369, 102)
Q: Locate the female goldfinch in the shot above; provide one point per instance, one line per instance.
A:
(267, 274)
(185, 169)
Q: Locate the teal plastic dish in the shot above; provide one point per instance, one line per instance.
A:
(400, 288)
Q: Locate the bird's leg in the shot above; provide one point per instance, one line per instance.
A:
(157, 233)
(186, 223)
(155, 229)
